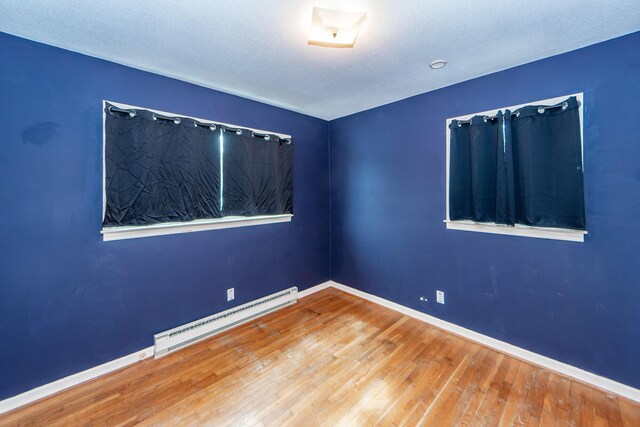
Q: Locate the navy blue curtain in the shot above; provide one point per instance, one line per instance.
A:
(523, 167)
(477, 188)
(257, 174)
(547, 164)
(159, 170)
(460, 197)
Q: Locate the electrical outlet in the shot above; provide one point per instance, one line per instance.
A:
(440, 297)
(230, 294)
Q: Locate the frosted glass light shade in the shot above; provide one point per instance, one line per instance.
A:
(334, 28)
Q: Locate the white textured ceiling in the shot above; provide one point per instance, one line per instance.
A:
(257, 48)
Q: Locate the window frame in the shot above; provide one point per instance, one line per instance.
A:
(519, 229)
(161, 229)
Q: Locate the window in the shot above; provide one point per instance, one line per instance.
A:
(166, 174)
(518, 170)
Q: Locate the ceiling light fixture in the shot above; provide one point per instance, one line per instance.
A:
(334, 28)
(437, 64)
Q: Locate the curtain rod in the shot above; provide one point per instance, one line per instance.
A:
(267, 137)
(177, 119)
(237, 131)
(131, 113)
(564, 106)
(264, 136)
(211, 126)
(516, 113)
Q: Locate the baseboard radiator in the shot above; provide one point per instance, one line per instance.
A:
(182, 336)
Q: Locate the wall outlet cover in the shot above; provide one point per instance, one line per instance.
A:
(440, 297)
(230, 294)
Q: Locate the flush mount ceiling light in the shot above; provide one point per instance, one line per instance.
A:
(437, 64)
(334, 28)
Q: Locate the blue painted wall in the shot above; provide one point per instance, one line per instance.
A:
(69, 301)
(577, 303)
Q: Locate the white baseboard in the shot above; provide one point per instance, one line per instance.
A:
(520, 353)
(501, 346)
(80, 377)
(314, 289)
(75, 379)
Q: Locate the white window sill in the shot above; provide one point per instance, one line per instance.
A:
(134, 232)
(519, 230)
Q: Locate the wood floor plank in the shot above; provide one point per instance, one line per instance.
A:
(493, 402)
(475, 390)
(556, 407)
(332, 359)
(629, 413)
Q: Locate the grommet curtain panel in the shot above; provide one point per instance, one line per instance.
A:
(522, 167)
(474, 182)
(258, 174)
(162, 169)
(157, 170)
(547, 164)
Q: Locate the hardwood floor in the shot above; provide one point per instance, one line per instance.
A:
(332, 359)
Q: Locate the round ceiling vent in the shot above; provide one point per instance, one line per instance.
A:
(437, 64)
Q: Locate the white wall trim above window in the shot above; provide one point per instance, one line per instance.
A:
(518, 229)
(133, 232)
